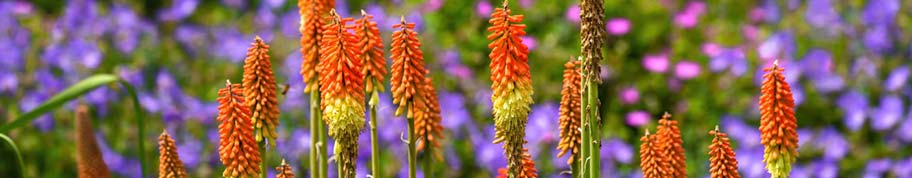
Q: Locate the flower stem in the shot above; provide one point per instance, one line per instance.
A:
(412, 152)
(375, 147)
(575, 167)
(263, 154)
(316, 125)
(594, 128)
(581, 161)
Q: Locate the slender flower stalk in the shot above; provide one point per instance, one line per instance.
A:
(652, 158)
(238, 149)
(777, 123)
(89, 159)
(670, 137)
(407, 82)
(511, 85)
(374, 71)
(570, 115)
(722, 162)
(284, 171)
(592, 37)
(342, 87)
(528, 168)
(312, 21)
(169, 163)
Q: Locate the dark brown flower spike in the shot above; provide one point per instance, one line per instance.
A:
(169, 163)
(570, 112)
(722, 162)
(89, 159)
(260, 91)
(672, 144)
(238, 149)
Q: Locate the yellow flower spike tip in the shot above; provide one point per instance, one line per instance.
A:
(430, 127)
(260, 91)
(238, 149)
(652, 158)
(777, 123)
(672, 144)
(284, 171)
(311, 29)
(407, 71)
(372, 52)
(169, 163)
(570, 112)
(511, 84)
(342, 90)
(89, 160)
(722, 162)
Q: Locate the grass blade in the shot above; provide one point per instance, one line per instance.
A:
(79, 89)
(9, 153)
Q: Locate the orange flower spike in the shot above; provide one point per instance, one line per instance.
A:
(407, 71)
(238, 149)
(169, 164)
(570, 112)
(342, 89)
(430, 126)
(529, 170)
(670, 136)
(372, 51)
(777, 123)
(311, 32)
(652, 158)
(511, 84)
(284, 171)
(260, 91)
(89, 160)
(722, 162)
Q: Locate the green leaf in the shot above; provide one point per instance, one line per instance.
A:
(79, 89)
(9, 153)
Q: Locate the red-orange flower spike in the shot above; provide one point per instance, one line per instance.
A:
(777, 123)
(511, 84)
(284, 171)
(722, 162)
(89, 160)
(429, 126)
(570, 112)
(260, 91)
(407, 80)
(652, 158)
(670, 137)
(342, 89)
(528, 167)
(238, 149)
(312, 12)
(372, 51)
(169, 164)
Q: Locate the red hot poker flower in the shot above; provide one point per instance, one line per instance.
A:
(238, 149)
(778, 123)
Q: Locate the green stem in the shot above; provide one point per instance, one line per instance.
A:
(315, 124)
(594, 129)
(412, 152)
(264, 156)
(375, 148)
(322, 154)
(584, 134)
(428, 161)
(575, 167)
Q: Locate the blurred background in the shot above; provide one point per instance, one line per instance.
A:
(847, 60)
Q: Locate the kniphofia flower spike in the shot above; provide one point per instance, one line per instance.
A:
(672, 146)
(260, 91)
(238, 149)
(169, 163)
(722, 162)
(570, 112)
(652, 158)
(778, 123)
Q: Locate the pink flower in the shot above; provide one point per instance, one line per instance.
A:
(687, 70)
(573, 13)
(710, 49)
(618, 26)
(657, 63)
(689, 17)
(529, 42)
(483, 8)
(638, 118)
(630, 95)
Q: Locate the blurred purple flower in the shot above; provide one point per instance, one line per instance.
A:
(638, 118)
(747, 136)
(825, 168)
(291, 20)
(656, 63)
(855, 106)
(230, 44)
(127, 29)
(30, 101)
(629, 95)
(729, 58)
(8, 82)
(799, 171)
(619, 150)
(618, 26)
(897, 79)
(780, 45)
(904, 132)
(573, 13)
(132, 76)
(829, 83)
(529, 41)
(452, 65)
(191, 37)
(771, 11)
(541, 128)
(821, 14)
(690, 16)
(237, 4)
(876, 168)
(710, 49)
(877, 38)
(190, 150)
(432, 5)
(888, 113)
(179, 10)
(750, 161)
(265, 18)
(117, 163)
(483, 100)
(686, 69)
(880, 12)
(392, 125)
(833, 144)
(864, 66)
(483, 8)
(488, 155)
(903, 168)
(454, 112)
(817, 63)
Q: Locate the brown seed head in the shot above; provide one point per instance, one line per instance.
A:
(89, 159)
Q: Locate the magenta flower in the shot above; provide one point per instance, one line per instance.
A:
(617, 26)
(657, 63)
(573, 14)
(638, 118)
(690, 16)
(529, 41)
(483, 8)
(629, 95)
(687, 70)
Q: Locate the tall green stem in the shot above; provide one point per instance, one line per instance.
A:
(428, 161)
(575, 167)
(264, 152)
(321, 146)
(375, 148)
(316, 125)
(594, 129)
(412, 152)
(582, 160)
